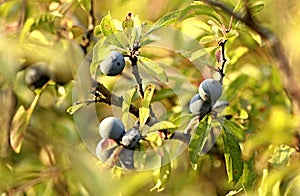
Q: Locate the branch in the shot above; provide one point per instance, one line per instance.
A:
(135, 72)
(224, 60)
(103, 95)
(90, 28)
(276, 47)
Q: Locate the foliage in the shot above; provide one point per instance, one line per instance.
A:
(251, 146)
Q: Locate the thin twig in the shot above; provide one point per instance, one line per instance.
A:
(103, 95)
(224, 60)
(135, 72)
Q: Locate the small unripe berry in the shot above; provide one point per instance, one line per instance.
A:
(199, 107)
(111, 128)
(131, 138)
(113, 65)
(105, 149)
(210, 90)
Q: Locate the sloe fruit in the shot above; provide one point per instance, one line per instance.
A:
(131, 138)
(111, 128)
(35, 78)
(113, 65)
(199, 107)
(210, 90)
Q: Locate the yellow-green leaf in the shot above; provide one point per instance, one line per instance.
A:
(20, 123)
(164, 172)
(126, 105)
(154, 69)
(162, 125)
(233, 156)
(107, 26)
(144, 111)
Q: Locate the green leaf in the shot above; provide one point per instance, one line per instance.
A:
(26, 28)
(154, 69)
(144, 111)
(202, 52)
(85, 4)
(281, 156)
(18, 128)
(100, 52)
(179, 15)
(137, 21)
(107, 26)
(148, 94)
(208, 38)
(236, 86)
(97, 30)
(234, 192)
(198, 141)
(20, 123)
(233, 156)
(72, 109)
(127, 23)
(196, 10)
(164, 172)
(169, 18)
(126, 105)
(234, 128)
(162, 125)
(249, 174)
(255, 9)
(178, 121)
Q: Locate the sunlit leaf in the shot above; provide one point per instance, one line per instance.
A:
(198, 141)
(179, 15)
(236, 129)
(137, 21)
(257, 8)
(126, 105)
(154, 139)
(235, 86)
(144, 111)
(20, 123)
(18, 128)
(97, 30)
(164, 172)
(161, 126)
(127, 23)
(208, 38)
(154, 69)
(101, 51)
(169, 18)
(26, 28)
(281, 156)
(234, 192)
(72, 109)
(200, 53)
(196, 10)
(233, 156)
(249, 174)
(107, 27)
